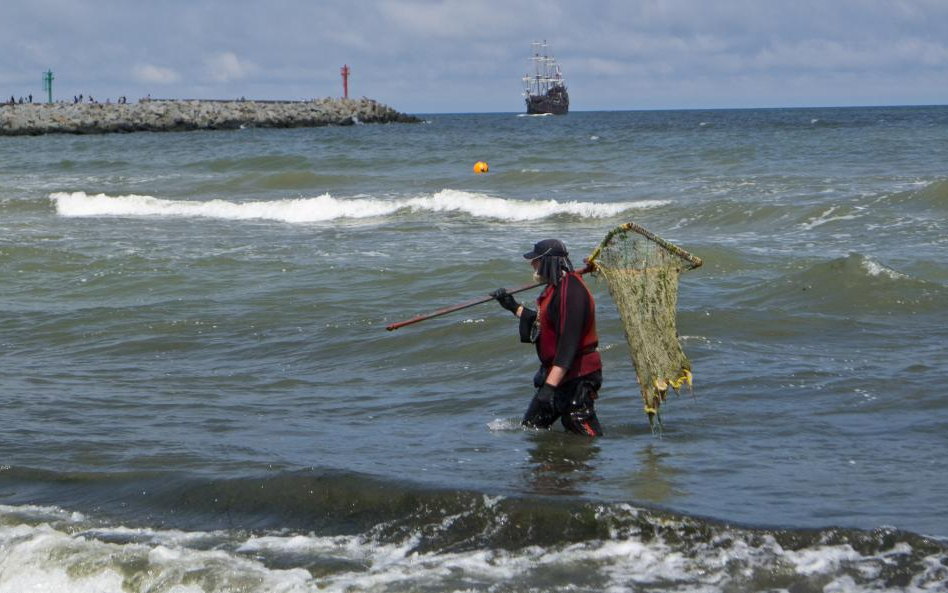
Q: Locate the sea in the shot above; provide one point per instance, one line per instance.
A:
(198, 392)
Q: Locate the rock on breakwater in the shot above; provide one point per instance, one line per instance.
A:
(174, 115)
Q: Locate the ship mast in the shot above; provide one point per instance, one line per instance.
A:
(546, 72)
(539, 66)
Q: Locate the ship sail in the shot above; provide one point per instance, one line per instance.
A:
(545, 89)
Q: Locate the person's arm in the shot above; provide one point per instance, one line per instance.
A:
(527, 316)
(555, 376)
(527, 319)
(570, 327)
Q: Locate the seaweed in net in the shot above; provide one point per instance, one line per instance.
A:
(642, 271)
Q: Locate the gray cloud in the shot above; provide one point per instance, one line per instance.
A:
(227, 67)
(454, 55)
(150, 74)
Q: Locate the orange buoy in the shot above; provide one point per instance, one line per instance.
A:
(480, 167)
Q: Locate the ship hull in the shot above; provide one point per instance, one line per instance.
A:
(552, 102)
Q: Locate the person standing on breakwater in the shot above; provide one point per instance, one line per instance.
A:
(563, 328)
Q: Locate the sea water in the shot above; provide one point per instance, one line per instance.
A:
(197, 391)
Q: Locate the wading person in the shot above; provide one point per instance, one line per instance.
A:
(563, 328)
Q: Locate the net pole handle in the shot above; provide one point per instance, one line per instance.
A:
(446, 310)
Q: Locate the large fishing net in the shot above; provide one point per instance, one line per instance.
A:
(642, 272)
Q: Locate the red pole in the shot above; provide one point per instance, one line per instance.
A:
(345, 80)
(446, 310)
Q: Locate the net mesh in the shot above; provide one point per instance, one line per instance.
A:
(642, 272)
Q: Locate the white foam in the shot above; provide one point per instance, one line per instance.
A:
(43, 513)
(325, 207)
(826, 217)
(345, 546)
(42, 558)
(822, 559)
(50, 558)
(874, 268)
(503, 424)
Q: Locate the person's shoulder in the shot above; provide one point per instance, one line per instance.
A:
(579, 287)
(570, 283)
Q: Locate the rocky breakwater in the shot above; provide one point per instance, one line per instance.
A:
(175, 116)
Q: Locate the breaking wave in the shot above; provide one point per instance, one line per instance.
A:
(327, 208)
(852, 284)
(298, 532)
(933, 195)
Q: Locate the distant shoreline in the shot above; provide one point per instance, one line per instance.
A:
(166, 115)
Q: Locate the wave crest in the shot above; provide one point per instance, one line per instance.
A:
(446, 540)
(933, 195)
(327, 208)
(855, 283)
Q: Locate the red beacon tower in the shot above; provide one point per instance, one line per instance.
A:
(345, 80)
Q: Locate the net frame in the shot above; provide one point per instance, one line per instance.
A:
(641, 268)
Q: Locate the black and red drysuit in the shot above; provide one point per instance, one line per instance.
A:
(563, 328)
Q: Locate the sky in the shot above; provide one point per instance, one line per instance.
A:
(449, 56)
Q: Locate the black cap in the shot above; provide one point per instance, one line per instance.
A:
(547, 247)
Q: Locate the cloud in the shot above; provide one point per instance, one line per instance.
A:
(226, 67)
(457, 19)
(457, 55)
(148, 73)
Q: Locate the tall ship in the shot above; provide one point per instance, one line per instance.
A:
(545, 89)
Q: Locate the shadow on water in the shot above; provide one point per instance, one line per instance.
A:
(654, 480)
(561, 463)
(566, 464)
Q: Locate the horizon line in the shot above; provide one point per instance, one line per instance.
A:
(776, 107)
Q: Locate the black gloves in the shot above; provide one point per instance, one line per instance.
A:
(540, 412)
(545, 394)
(506, 300)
